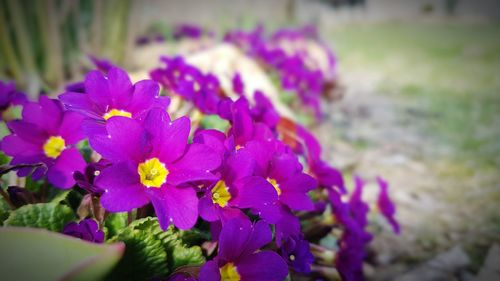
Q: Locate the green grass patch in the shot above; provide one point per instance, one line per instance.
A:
(451, 71)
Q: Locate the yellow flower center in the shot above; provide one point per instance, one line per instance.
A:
(54, 146)
(238, 147)
(220, 194)
(152, 173)
(117, 112)
(229, 273)
(275, 185)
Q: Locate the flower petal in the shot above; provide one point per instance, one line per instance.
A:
(265, 265)
(122, 188)
(126, 140)
(61, 173)
(195, 165)
(144, 96)
(175, 205)
(210, 272)
(70, 129)
(96, 86)
(294, 192)
(13, 145)
(174, 139)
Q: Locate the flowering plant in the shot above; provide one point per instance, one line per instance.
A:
(250, 198)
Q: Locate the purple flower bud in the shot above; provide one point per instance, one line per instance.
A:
(20, 196)
(296, 252)
(86, 229)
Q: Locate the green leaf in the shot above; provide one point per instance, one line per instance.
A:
(179, 252)
(50, 216)
(37, 254)
(182, 255)
(4, 210)
(214, 122)
(114, 223)
(152, 252)
(59, 196)
(145, 256)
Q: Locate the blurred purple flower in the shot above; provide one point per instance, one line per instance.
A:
(10, 96)
(182, 31)
(386, 206)
(238, 86)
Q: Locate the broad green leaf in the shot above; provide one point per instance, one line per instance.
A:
(152, 252)
(37, 254)
(50, 216)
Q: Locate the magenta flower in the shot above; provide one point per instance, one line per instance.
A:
(238, 86)
(386, 206)
(47, 135)
(86, 179)
(238, 256)
(190, 83)
(112, 95)
(187, 31)
(263, 111)
(283, 172)
(87, 230)
(237, 187)
(152, 162)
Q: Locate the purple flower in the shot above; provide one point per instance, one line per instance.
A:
(238, 86)
(152, 162)
(46, 134)
(236, 188)
(112, 95)
(238, 256)
(104, 65)
(190, 83)
(86, 179)
(10, 96)
(187, 31)
(282, 171)
(86, 229)
(359, 209)
(386, 206)
(351, 254)
(263, 111)
(296, 252)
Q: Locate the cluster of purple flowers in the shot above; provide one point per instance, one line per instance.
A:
(286, 53)
(248, 182)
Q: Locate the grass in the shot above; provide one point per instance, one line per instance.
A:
(450, 71)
